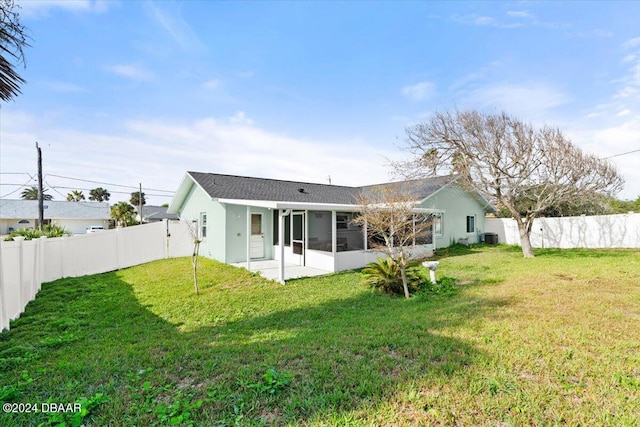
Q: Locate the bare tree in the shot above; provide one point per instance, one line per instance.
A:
(12, 42)
(393, 225)
(524, 169)
(195, 236)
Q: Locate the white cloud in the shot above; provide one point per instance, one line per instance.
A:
(63, 87)
(211, 84)
(519, 14)
(34, 9)
(174, 25)
(240, 118)
(532, 101)
(131, 71)
(631, 43)
(157, 153)
(419, 91)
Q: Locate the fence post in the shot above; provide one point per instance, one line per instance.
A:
(43, 267)
(20, 240)
(4, 314)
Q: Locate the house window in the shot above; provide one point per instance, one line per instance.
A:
(203, 226)
(471, 224)
(438, 224)
(342, 221)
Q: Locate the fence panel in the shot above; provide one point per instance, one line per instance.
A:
(24, 265)
(602, 231)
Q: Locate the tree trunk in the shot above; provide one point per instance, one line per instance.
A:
(525, 242)
(405, 287)
(194, 261)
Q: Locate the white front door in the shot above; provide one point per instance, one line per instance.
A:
(256, 249)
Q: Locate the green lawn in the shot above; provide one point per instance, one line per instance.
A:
(544, 341)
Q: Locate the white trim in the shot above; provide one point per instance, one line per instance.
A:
(307, 206)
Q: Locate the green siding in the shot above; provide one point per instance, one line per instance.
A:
(236, 232)
(196, 202)
(457, 204)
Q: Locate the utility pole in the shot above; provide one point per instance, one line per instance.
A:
(140, 203)
(40, 189)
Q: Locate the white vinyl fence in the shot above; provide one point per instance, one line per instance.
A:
(603, 231)
(25, 265)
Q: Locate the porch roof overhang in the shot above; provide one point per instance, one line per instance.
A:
(308, 206)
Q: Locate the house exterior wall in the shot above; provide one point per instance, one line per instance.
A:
(457, 204)
(236, 232)
(197, 202)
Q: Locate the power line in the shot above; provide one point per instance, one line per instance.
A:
(53, 187)
(622, 154)
(107, 183)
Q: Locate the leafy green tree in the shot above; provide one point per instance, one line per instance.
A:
(31, 193)
(624, 206)
(123, 213)
(135, 199)
(12, 42)
(99, 195)
(75, 196)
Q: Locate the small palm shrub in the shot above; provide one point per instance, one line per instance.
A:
(385, 276)
(50, 230)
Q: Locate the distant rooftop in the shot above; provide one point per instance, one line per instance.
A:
(54, 209)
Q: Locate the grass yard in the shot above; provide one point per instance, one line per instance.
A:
(547, 341)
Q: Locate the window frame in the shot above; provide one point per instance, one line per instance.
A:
(473, 223)
(202, 226)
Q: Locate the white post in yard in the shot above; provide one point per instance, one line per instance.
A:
(281, 245)
(432, 266)
(249, 238)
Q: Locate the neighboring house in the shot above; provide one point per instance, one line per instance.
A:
(155, 214)
(75, 217)
(243, 219)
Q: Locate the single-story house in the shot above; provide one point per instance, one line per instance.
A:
(155, 214)
(75, 217)
(246, 220)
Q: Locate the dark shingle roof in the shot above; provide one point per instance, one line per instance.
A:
(246, 188)
(156, 213)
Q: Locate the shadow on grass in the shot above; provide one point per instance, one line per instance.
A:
(91, 335)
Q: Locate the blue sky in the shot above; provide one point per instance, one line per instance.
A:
(128, 92)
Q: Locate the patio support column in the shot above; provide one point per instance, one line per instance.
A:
(366, 235)
(334, 234)
(281, 245)
(433, 233)
(249, 238)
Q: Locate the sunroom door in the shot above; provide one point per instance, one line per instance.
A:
(297, 235)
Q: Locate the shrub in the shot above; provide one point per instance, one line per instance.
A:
(385, 276)
(50, 230)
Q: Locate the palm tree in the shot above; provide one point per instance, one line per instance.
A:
(123, 213)
(31, 193)
(75, 196)
(135, 198)
(12, 41)
(99, 195)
